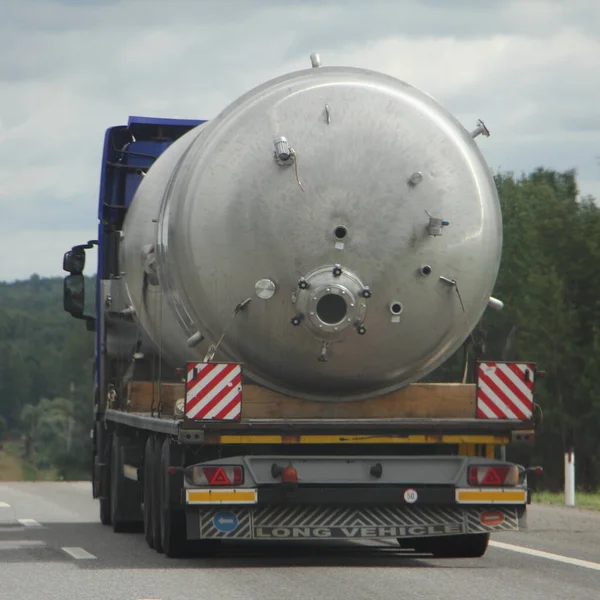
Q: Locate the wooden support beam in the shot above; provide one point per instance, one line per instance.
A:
(419, 400)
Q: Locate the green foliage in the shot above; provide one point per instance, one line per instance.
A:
(549, 280)
(55, 435)
(45, 357)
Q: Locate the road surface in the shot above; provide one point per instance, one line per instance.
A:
(52, 547)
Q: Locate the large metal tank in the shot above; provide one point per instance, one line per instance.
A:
(350, 219)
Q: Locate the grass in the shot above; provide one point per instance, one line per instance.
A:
(11, 466)
(14, 467)
(582, 499)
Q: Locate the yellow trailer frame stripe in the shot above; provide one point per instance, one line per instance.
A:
(357, 439)
(491, 496)
(222, 496)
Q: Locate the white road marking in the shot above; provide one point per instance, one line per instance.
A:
(78, 553)
(4, 505)
(20, 544)
(29, 523)
(549, 555)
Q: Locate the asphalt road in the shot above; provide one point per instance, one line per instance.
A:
(52, 547)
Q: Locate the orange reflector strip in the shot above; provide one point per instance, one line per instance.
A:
(220, 496)
(495, 496)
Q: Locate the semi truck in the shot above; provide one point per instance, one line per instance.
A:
(273, 286)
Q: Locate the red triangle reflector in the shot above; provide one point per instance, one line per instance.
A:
(493, 477)
(220, 477)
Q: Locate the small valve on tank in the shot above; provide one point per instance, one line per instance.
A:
(436, 224)
(284, 153)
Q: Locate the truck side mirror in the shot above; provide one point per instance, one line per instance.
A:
(74, 261)
(74, 294)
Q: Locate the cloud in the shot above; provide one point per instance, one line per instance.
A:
(70, 69)
(41, 252)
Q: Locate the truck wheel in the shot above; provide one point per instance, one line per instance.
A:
(125, 497)
(105, 511)
(471, 545)
(105, 507)
(148, 495)
(116, 468)
(173, 526)
(155, 466)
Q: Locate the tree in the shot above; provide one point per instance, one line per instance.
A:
(3, 429)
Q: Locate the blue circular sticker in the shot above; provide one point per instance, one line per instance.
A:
(225, 521)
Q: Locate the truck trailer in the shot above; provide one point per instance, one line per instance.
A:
(273, 286)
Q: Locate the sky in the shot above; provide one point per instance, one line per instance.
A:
(69, 69)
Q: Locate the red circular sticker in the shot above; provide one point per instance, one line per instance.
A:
(492, 518)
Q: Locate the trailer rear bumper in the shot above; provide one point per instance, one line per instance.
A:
(356, 496)
(280, 522)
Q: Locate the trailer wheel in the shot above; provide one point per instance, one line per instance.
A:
(172, 517)
(148, 490)
(471, 545)
(155, 466)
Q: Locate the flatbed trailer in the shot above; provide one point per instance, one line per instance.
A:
(308, 476)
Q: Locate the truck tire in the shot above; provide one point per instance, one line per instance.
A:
(116, 468)
(105, 510)
(173, 533)
(155, 466)
(105, 507)
(125, 496)
(471, 545)
(148, 491)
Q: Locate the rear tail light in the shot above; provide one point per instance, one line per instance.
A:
(215, 475)
(289, 475)
(536, 470)
(496, 475)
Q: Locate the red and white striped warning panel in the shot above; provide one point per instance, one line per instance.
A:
(213, 391)
(505, 390)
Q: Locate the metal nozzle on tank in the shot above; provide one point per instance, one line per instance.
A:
(329, 301)
(495, 303)
(481, 129)
(315, 60)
